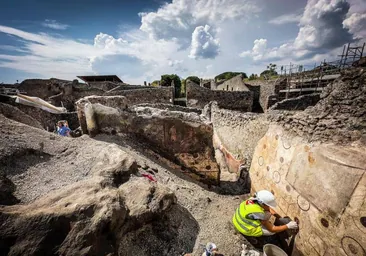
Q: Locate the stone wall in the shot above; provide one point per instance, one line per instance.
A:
(198, 97)
(322, 185)
(234, 84)
(256, 90)
(105, 86)
(49, 120)
(238, 132)
(171, 107)
(268, 91)
(42, 88)
(146, 95)
(339, 116)
(182, 137)
(298, 103)
(15, 114)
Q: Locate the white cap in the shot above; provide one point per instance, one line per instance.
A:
(267, 198)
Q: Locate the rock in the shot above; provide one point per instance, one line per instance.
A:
(80, 219)
(7, 189)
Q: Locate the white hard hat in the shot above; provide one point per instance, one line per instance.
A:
(210, 247)
(266, 197)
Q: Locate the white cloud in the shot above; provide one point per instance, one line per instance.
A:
(203, 44)
(65, 58)
(356, 24)
(323, 28)
(54, 25)
(179, 18)
(321, 25)
(173, 63)
(286, 18)
(260, 51)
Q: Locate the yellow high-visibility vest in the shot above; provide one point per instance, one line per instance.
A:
(248, 227)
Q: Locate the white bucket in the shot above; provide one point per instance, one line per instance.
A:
(272, 250)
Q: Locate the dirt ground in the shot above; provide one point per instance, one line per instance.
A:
(38, 162)
(211, 210)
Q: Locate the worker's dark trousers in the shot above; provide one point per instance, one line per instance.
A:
(278, 239)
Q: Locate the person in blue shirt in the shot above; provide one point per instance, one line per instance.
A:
(63, 130)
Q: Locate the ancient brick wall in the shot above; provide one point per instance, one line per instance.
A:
(182, 137)
(15, 114)
(339, 116)
(238, 132)
(146, 95)
(41, 88)
(320, 184)
(256, 90)
(298, 103)
(198, 97)
(268, 91)
(234, 84)
(49, 120)
(105, 86)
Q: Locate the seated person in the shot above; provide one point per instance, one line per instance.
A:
(63, 130)
(252, 216)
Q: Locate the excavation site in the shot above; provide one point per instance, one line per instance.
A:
(108, 168)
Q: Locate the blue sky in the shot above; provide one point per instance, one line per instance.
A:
(140, 40)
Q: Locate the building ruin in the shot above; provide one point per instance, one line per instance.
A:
(90, 195)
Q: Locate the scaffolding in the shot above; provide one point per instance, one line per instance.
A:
(302, 79)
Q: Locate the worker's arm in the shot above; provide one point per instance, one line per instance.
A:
(272, 228)
(274, 213)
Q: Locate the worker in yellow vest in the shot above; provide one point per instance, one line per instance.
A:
(252, 216)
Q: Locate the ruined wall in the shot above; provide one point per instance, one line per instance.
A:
(105, 86)
(171, 107)
(323, 185)
(198, 97)
(298, 103)
(338, 117)
(146, 95)
(268, 89)
(15, 114)
(49, 120)
(182, 137)
(256, 90)
(238, 132)
(314, 161)
(42, 88)
(234, 84)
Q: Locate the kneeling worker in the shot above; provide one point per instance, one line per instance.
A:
(252, 216)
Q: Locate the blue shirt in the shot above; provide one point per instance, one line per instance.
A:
(63, 131)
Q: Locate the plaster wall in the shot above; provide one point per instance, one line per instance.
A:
(323, 185)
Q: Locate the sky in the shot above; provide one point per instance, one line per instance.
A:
(141, 40)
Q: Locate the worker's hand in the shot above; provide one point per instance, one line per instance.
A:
(292, 225)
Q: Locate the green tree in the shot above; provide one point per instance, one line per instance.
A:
(253, 77)
(166, 80)
(229, 75)
(155, 83)
(183, 88)
(270, 71)
(194, 79)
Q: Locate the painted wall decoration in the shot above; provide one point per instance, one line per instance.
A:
(323, 185)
